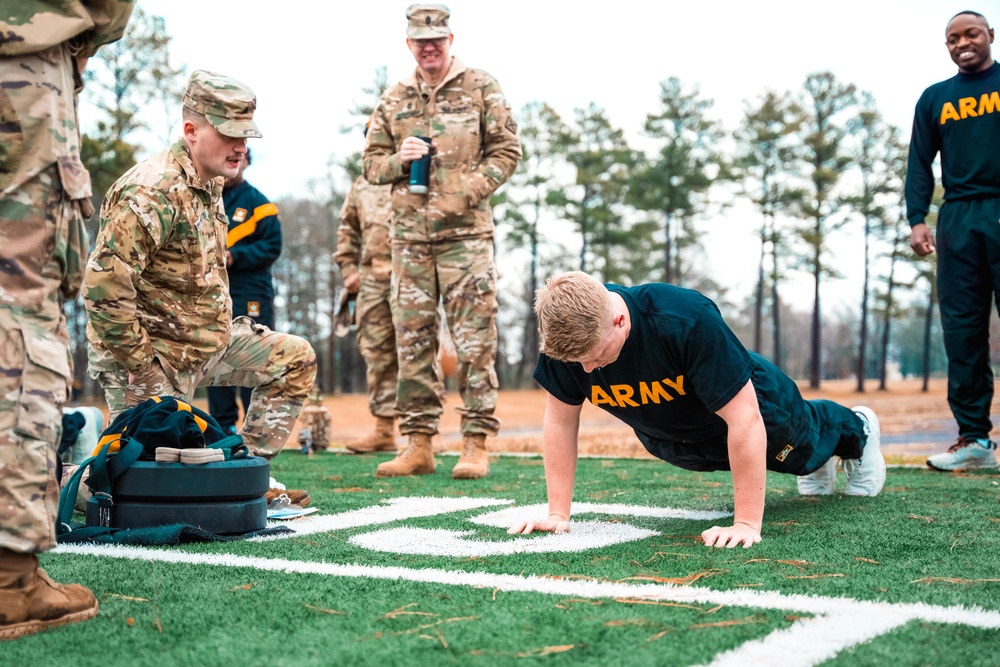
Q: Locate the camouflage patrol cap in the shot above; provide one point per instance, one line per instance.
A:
(427, 21)
(227, 103)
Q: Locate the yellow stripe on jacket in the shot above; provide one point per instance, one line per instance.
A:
(243, 230)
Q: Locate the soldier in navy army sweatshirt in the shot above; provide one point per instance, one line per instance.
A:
(960, 119)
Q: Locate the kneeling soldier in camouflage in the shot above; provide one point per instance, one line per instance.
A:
(156, 288)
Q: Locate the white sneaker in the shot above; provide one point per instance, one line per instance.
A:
(820, 482)
(865, 476)
(965, 454)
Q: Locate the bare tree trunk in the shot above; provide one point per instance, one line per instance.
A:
(863, 334)
(583, 231)
(889, 295)
(668, 250)
(529, 341)
(529, 347)
(775, 308)
(758, 306)
(884, 357)
(76, 326)
(328, 384)
(815, 335)
(928, 319)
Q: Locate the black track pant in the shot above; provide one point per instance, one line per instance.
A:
(968, 279)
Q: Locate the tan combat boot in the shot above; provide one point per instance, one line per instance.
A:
(474, 462)
(382, 440)
(416, 459)
(30, 601)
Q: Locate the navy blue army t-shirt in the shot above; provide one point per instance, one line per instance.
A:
(680, 364)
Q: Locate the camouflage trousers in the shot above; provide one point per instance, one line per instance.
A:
(279, 367)
(462, 276)
(34, 383)
(377, 344)
(35, 363)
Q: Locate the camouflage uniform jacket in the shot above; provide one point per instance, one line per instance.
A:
(29, 26)
(363, 235)
(156, 282)
(38, 129)
(477, 149)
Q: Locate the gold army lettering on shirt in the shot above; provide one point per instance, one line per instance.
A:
(970, 107)
(624, 395)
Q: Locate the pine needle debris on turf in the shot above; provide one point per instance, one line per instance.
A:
(578, 605)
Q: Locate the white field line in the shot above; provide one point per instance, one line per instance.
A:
(803, 604)
(810, 641)
(837, 623)
(391, 510)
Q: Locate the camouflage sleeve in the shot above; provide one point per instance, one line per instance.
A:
(501, 145)
(131, 232)
(77, 245)
(110, 18)
(348, 254)
(30, 26)
(381, 162)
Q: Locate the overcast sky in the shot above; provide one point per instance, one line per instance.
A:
(308, 61)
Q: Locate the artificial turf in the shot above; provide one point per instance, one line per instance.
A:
(929, 537)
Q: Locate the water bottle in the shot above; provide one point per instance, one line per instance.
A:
(420, 171)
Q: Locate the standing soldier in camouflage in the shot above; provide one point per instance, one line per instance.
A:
(156, 288)
(44, 199)
(442, 241)
(365, 260)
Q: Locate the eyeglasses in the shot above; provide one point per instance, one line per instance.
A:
(436, 42)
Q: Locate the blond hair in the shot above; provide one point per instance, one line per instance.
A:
(574, 315)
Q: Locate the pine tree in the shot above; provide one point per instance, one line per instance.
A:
(767, 161)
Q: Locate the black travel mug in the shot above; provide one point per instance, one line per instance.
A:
(420, 171)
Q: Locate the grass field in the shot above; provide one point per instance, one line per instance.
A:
(421, 571)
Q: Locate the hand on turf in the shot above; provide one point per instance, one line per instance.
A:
(731, 536)
(548, 525)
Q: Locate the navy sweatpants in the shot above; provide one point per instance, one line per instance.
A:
(968, 282)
